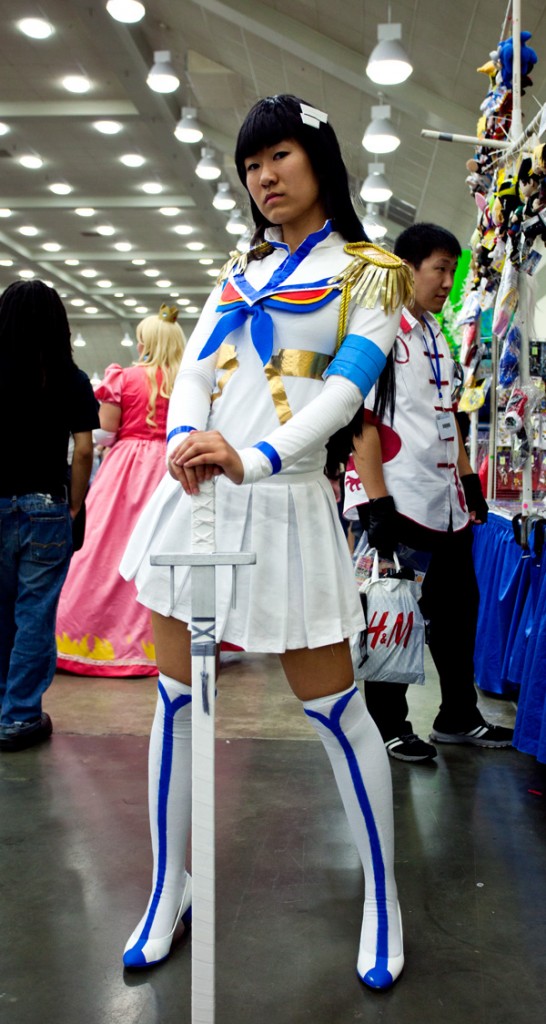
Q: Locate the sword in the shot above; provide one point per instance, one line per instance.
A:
(203, 560)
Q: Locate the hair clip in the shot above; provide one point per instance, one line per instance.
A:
(168, 313)
(312, 116)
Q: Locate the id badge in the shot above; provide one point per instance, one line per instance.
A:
(445, 422)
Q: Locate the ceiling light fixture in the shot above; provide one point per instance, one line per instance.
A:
(91, 310)
(381, 135)
(60, 188)
(223, 200)
(77, 302)
(104, 283)
(52, 247)
(183, 302)
(151, 272)
(376, 188)
(127, 341)
(105, 229)
(236, 224)
(206, 261)
(187, 129)
(372, 223)
(183, 229)
(243, 242)
(163, 283)
(89, 272)
(95, 380)
(138, 262)
(107, 127)
(127, 11)
(72, 263)
(36, 28)
(389, 63)
(129, 302)
(76, 83)
(153, 188)
(132, 159)
(28, 229)
(192, 309)
(27, 275)
(195, 246)
(31, 160)
(6, 263)
(208, 168)
(5, 211)
(123, 246)
(162, 77)
(4, 128)
(141, 309)
(85, 211)
(79, 341)
(169, 211)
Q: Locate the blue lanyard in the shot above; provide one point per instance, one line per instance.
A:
(435, 365)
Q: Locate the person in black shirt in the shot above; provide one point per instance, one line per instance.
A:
(44, 398)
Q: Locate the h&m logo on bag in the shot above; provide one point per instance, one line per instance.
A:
(399, 635)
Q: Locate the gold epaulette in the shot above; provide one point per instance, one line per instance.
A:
(238, 261)
(373, 273)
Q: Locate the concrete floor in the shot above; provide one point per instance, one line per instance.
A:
(75, 866)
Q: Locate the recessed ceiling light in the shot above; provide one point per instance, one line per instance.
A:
(27, 274)
(60, 188)
(91, 309)
(36, 28)
(77, 302)
(31, 161)
(169, 211)
(195, 246)
(105, 229)
(119, 295)
(153, 188)
(123, 246)
(183, 229)
(76, 83)
(129, 302)
(85, 211)
(89, 272)
(163, 283)
(151, 272)
(132, 160)
(6, 263)
(72, 263)
(192, 309)
(51, 246)
(183, 302)
(141, 309)
(213, 272)
(4, 128)
(28, 229)
(104, 283)
(127, 11)
(49, 284)
(138, 263)
(174, 295)
(5, 212)
(206, 261)
(108, 127)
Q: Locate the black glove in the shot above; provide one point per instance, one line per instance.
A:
(382, 525)
(475, 501)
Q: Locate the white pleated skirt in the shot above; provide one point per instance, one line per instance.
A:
(300, 593)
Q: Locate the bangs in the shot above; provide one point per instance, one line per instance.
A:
(268, 123)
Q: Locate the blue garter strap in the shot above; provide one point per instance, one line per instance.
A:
(359, 360)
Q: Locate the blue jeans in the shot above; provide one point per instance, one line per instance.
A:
(35, 550)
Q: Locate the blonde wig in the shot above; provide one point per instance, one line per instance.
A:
(162, 344)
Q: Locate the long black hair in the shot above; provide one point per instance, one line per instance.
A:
(276, 118)
(35, 350)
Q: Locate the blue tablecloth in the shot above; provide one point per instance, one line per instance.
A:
(510, 653)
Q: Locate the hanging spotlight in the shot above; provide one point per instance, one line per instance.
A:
(127, 11)
(79, 342)
(127, 341)
(207, 168)
(380, 135)
(162, 76)
(95, 380)
(373, 224)
(223, 199)
(236, 224)
(389, 63)
(187, 129)
(376, 188)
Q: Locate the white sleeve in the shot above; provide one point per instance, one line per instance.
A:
(306, 431)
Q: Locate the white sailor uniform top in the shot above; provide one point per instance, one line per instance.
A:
(419, 468)
(261, 367)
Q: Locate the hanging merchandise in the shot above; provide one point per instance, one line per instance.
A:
(509, 360)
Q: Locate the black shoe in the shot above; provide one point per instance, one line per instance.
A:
(484, 735)
(21, 735)
(410, 748)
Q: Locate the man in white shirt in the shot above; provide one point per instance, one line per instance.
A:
(413, 484)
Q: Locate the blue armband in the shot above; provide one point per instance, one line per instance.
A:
(179, 430)
(359, 360)
(272, 455)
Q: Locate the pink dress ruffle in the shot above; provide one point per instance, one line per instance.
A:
(102, 630)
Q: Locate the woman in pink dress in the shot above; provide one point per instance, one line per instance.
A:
(101, 628)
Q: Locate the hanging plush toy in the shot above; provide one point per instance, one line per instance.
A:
(529, 58)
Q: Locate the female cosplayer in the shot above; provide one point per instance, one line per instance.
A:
(287, 346)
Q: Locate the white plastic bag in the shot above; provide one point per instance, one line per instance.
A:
(391, 648)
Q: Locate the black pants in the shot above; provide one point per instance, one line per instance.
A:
(450, 599)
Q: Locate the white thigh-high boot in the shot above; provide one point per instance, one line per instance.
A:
(361, 768)
(169, 788)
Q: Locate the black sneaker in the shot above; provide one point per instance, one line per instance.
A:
(484, 735)
(410, 748)
(21, 735)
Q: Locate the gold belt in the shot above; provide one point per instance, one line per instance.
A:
(288, 362)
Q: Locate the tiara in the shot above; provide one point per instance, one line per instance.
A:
(168, 313)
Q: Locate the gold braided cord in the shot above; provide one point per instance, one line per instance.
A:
(343, 314)
(238, 261)
(373, 274)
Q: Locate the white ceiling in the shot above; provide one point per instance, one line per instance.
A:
(228, 53)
